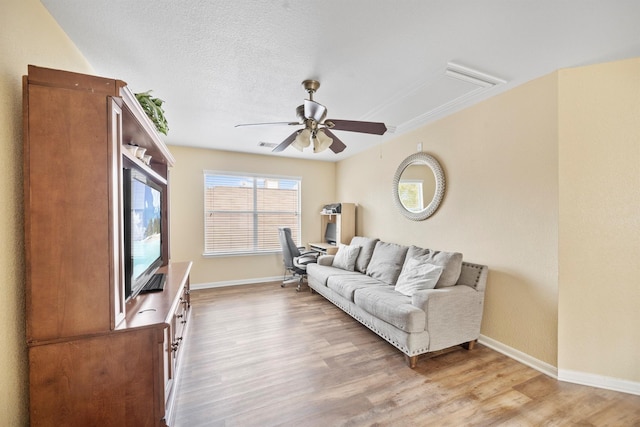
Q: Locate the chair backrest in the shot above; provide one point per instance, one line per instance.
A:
(289, 248)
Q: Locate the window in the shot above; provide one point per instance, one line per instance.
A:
(243, 212)
(410, 192)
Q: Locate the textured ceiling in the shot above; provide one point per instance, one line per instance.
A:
(218, 63)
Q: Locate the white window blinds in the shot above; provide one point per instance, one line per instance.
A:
(243, 212)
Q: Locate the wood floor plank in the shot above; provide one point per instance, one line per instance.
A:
(262, 355)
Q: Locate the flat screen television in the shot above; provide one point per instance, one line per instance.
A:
(142, 230)
(330, 233)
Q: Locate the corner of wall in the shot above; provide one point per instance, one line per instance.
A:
(28, 35)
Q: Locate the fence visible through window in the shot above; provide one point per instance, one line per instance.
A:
(242, 213)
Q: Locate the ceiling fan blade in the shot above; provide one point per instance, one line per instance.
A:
(269, 124)
(315, 111)
(337, 145)
(356, 126)
(287, 142)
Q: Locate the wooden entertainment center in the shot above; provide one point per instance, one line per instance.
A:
(96, 357)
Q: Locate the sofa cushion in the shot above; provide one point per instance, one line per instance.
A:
(451, 262)
(320, 273)
(392, 307)
(346, 257)
(346, 285)
(366, 250)
(416, 276)
(386, 262)
(416, 251)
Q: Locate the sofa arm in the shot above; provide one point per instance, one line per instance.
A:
(453, 314)
(326, 260)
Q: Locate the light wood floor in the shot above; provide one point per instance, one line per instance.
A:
(261, 355)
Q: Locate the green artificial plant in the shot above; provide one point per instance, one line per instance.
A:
(153, 107)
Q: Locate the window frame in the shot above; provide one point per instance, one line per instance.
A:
(255, 212)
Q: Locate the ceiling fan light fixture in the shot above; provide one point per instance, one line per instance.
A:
(321, 142)
(302, 141)
(316, 132)
(314, 110)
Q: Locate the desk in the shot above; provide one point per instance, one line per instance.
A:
(324, 248)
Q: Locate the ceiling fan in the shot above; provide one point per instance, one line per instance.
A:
(317, 130)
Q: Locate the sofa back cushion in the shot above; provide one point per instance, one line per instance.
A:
(417, 252)
(386, 262)
(366, 250)
(451, 262)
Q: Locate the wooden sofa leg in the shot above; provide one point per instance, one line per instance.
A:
(469, 345)
(412, 361)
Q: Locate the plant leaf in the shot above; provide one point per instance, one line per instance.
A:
(153, 109)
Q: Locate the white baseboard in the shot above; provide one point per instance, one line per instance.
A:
(599, 381)
(591, 380)
(521, 357)
(235, 282)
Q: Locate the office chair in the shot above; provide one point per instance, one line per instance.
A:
(295, 261)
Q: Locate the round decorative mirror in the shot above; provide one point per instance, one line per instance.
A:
(418, 186)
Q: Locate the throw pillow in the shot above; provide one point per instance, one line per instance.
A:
(346, 257)
(386, 262)
(416, 276)
(366, 250)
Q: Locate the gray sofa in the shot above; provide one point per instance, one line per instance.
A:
(419, 300)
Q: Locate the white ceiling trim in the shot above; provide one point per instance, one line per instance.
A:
(481, 84)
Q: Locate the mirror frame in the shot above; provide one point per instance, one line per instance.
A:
(434, 165)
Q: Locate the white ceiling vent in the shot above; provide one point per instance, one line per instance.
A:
(468, 75)
(267, 144)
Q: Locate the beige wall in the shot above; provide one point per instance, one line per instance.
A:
(187, 207)
(500, 207)
(543, 185)
(28, 35)
(599, 301)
